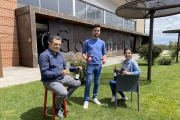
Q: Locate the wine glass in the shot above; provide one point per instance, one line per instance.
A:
(68, 65)
(90, 57)
(124, 67)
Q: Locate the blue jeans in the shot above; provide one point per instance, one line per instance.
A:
(112, 84)
(90, 70)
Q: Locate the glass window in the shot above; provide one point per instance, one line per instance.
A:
(114, 20)
(65, 6)
(91, 12)
(125, 24)
(133, 25)
(117, 21)
(129, 24)
(99, 15)
(49, 4)
(22, 3)
(108, 18)
(120, 22)
(80, 9)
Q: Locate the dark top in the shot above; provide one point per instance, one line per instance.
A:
(51, 65)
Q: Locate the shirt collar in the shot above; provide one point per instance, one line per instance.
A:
(128, 61)
(52, 52)
(95, 39)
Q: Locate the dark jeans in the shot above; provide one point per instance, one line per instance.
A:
(112, 84)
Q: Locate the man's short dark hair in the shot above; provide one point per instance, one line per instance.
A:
(54, 37)
(96, 25)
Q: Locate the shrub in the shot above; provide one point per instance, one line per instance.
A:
(164, 47)
(173, 49)
(143, 52)
(165, 61)
(82, 63)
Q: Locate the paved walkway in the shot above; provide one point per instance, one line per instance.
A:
(15, 75)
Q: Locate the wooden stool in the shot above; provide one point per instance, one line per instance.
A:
(53, 106)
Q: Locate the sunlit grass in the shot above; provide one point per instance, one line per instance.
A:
(159, 98)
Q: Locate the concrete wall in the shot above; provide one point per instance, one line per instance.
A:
(8, 33)
(140, 25)
(119, 2)
(138, 42)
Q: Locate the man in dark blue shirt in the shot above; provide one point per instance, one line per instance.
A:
(54, 74)
(95, 49)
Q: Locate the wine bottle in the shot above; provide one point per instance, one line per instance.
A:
(115, 73)
(77, 74)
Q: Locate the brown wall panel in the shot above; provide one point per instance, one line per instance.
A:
(25, 40)
(78, 39)
(114, 43)
(119, 44)
(103, 35)
(109, 43)
(87, 33)
(114, 40)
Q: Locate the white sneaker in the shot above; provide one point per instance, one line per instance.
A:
(96, 101)
(124, 98)
(85, 105)
(113, 98)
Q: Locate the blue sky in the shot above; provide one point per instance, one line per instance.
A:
(161, 24)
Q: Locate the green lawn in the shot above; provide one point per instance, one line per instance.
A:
(159, 99)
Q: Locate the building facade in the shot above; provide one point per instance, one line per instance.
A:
(26, 25)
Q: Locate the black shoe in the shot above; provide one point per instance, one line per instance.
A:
(62, 106)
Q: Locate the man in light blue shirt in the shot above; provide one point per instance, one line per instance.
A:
(95, 48)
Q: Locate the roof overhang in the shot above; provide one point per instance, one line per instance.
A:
(172, 31)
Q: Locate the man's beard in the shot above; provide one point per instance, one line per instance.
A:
(96, 36)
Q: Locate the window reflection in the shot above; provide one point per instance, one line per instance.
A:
(120, 23)
(129, 24)
(114, 20)
(95, 14)
(50, 5)
(22, 3)
(99, 15)
(133, 25)
(108, 18)
(65, 6)
(80, 9)
(125, 24)
(91, 12)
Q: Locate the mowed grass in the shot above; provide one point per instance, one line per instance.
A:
(159, 98)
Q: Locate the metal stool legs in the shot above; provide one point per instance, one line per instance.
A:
(53, 106)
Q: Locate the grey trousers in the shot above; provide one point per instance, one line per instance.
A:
(57, 86)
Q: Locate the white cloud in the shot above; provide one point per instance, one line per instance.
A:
(161, 24)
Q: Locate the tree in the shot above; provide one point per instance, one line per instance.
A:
(143, 51)
(173, 49)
